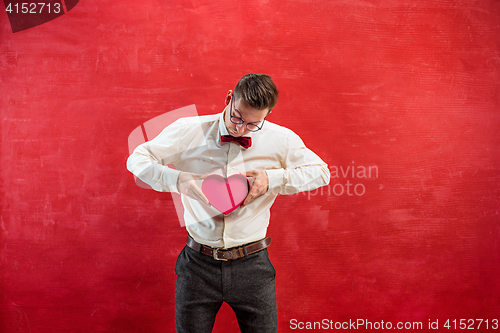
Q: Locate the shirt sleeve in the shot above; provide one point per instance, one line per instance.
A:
(149, 160)
(303, 170)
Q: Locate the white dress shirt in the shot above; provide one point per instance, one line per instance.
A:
(193, 145)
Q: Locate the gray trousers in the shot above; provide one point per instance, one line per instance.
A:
(246, 284)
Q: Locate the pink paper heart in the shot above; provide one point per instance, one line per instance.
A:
(225, 194)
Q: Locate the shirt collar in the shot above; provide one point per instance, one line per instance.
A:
(222, 126)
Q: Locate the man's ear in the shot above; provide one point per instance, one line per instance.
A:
(228, 97)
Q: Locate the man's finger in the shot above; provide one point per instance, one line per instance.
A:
(252, 194)
(198, 177)
(247, 200)
(204, 199)
(196, 196)
(201, 196)
(248, 173)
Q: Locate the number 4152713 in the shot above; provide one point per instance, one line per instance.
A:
(471, 324)
(33, 8)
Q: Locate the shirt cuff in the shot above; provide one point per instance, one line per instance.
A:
(170, 176)
(276, 178)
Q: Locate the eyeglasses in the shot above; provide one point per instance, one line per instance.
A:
(238, 121)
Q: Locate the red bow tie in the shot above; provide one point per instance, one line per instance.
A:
(244, 141)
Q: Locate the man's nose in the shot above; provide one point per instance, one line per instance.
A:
(240, 128)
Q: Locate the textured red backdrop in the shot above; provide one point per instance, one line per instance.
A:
(408, 90)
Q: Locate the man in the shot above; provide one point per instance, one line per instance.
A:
(225, 258)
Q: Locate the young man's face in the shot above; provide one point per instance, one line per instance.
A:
(239, 108)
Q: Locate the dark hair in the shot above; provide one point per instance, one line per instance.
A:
(257, 90)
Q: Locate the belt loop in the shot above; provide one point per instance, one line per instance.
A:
(245, 250)
(199, 248)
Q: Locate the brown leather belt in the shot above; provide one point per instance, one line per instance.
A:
(229, 254)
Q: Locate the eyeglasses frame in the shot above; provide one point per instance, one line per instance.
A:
(242, 121)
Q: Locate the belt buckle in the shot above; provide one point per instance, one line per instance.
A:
(216, 255)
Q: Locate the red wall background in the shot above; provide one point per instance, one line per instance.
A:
(408, 88)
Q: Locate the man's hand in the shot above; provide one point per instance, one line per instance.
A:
(187, 186)
(259, 186)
